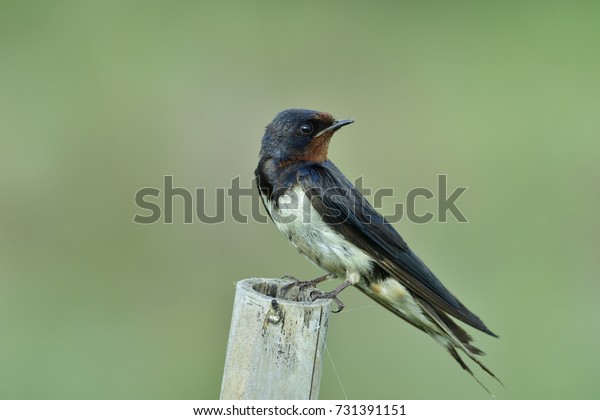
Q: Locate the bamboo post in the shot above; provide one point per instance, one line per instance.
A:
(276, 342)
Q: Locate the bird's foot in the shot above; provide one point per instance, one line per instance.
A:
(304, 284)
(317, 294)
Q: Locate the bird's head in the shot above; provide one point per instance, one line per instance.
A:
(300, 134)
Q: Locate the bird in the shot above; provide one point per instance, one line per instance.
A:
(329, 221)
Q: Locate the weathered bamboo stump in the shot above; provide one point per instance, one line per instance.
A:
(276, 342)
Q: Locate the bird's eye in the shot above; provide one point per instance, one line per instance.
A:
(306, 128)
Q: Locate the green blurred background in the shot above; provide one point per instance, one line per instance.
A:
(101, 98)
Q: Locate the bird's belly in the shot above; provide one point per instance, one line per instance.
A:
(313, 237)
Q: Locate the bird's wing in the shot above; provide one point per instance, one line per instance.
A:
(345, 209)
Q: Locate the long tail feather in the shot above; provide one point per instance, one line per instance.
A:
(437, 324)
(456, 337)
(457, 357)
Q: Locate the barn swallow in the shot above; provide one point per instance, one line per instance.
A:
(330, 222)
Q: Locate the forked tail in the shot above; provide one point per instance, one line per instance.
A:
(454, 338)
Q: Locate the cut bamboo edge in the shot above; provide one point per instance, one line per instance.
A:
(276, 342)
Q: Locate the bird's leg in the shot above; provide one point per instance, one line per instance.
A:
(351, 278)
(314, 282)
(304, 284)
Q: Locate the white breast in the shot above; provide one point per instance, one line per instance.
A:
(297, 219)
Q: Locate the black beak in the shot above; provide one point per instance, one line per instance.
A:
(337, 124)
